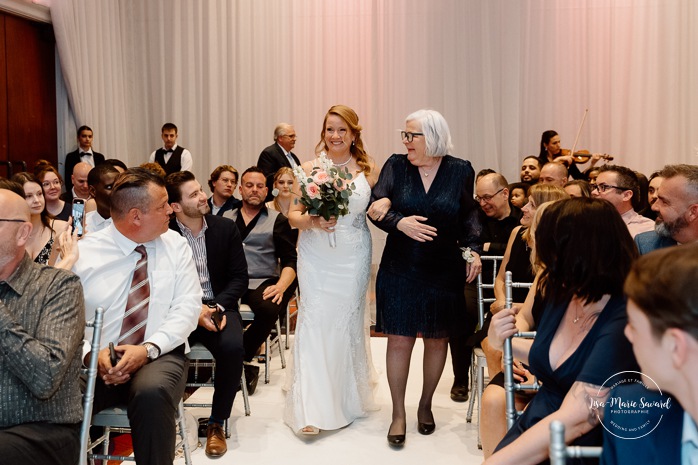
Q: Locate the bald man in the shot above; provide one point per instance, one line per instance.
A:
(80, 190)
(553, 173)
(42, 320)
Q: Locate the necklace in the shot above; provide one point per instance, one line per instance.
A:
(343, 163)
(426, 172)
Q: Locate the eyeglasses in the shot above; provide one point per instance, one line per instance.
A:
(487, 198)
(604, 187)
(293, 136)
(408, 136)
(13, 220)
(55, 182)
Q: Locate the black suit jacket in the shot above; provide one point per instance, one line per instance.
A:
(270, 160)
(72, 159)
(225, 260)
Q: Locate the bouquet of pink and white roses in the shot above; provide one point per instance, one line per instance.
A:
(325, 192)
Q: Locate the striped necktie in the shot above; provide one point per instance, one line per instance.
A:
(136, 316)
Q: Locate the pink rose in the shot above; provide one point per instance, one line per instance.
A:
(313, 190)
(340, 184)
(321, 177)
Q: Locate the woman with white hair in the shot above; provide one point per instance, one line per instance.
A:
(419, 288)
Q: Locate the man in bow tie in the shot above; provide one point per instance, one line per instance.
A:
(171, 157)
(83, 153)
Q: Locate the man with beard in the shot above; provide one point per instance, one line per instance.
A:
(530, 170)
(677, 210)
(270, 246)
(220, 263)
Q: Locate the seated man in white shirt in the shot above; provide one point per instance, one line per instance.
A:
(619, 185)
(663, 329)
(143, 274)
(100, 181)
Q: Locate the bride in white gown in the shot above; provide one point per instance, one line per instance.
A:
(331, 383)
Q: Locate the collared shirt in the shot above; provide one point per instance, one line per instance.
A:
(637, 223)
(689, 441)
(106, 264)
(87, 156)
(187, 161)
(284, 239)
(198, 247)
(41, 325)
(94, 222)
(288, 156)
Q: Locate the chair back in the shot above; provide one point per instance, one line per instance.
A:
(91, 372)
(508, 357)
(481, 286)
(559, 451)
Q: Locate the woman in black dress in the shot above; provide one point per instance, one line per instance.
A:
(585, 251)
(419, 287)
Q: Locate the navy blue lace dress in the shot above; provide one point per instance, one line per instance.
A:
(419, 287)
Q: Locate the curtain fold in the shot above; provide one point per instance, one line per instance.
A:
(502, 71)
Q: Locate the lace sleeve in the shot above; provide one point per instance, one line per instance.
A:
(383, 189)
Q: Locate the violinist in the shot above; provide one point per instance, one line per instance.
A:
(550, 150)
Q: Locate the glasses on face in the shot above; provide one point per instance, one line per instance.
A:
(487, 198)
(293, 136)
(55, 182)
(12, 220)
(604, 187)
(408, 136)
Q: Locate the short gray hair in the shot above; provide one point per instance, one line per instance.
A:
(436, 133)
(281, 129)
(690, 172)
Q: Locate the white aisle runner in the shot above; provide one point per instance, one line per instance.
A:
(263, 438)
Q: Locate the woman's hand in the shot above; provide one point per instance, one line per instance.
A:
(378, 209)
(473, 269)
(502, 326)
(68, 246)
(413, 228)
(322, 223)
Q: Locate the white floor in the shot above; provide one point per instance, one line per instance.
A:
(263, 438)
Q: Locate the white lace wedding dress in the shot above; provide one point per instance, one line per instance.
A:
(332, 379)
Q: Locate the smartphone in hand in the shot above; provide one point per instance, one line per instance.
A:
(78, 214)
(217, 318)
(112, 354)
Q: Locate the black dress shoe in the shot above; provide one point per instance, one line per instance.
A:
(426, 428)
(396, 440)
(251, 377)
(459, 393)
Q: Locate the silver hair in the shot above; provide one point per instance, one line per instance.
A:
(436, 133)
(281, 129)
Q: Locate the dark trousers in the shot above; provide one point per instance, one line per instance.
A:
(39, 444)
(266, 313)
(152, 396)
(226, 348)
(461, 347)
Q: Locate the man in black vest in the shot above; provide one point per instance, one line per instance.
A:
(270, 250)
(83, 153)
(220, 262)
(278, 155)
(171, 157)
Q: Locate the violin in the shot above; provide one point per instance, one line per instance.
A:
(583, 156)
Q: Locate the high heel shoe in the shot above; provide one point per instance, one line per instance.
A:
(396, 441)
(424, 427)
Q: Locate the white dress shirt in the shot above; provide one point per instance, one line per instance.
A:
(187, 161)
(94, 222)
(105, 267)
(87, 156)
(689, 441)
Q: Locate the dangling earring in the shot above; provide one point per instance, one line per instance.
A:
(353, 143)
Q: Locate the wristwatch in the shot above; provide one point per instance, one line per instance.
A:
(152, 350)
